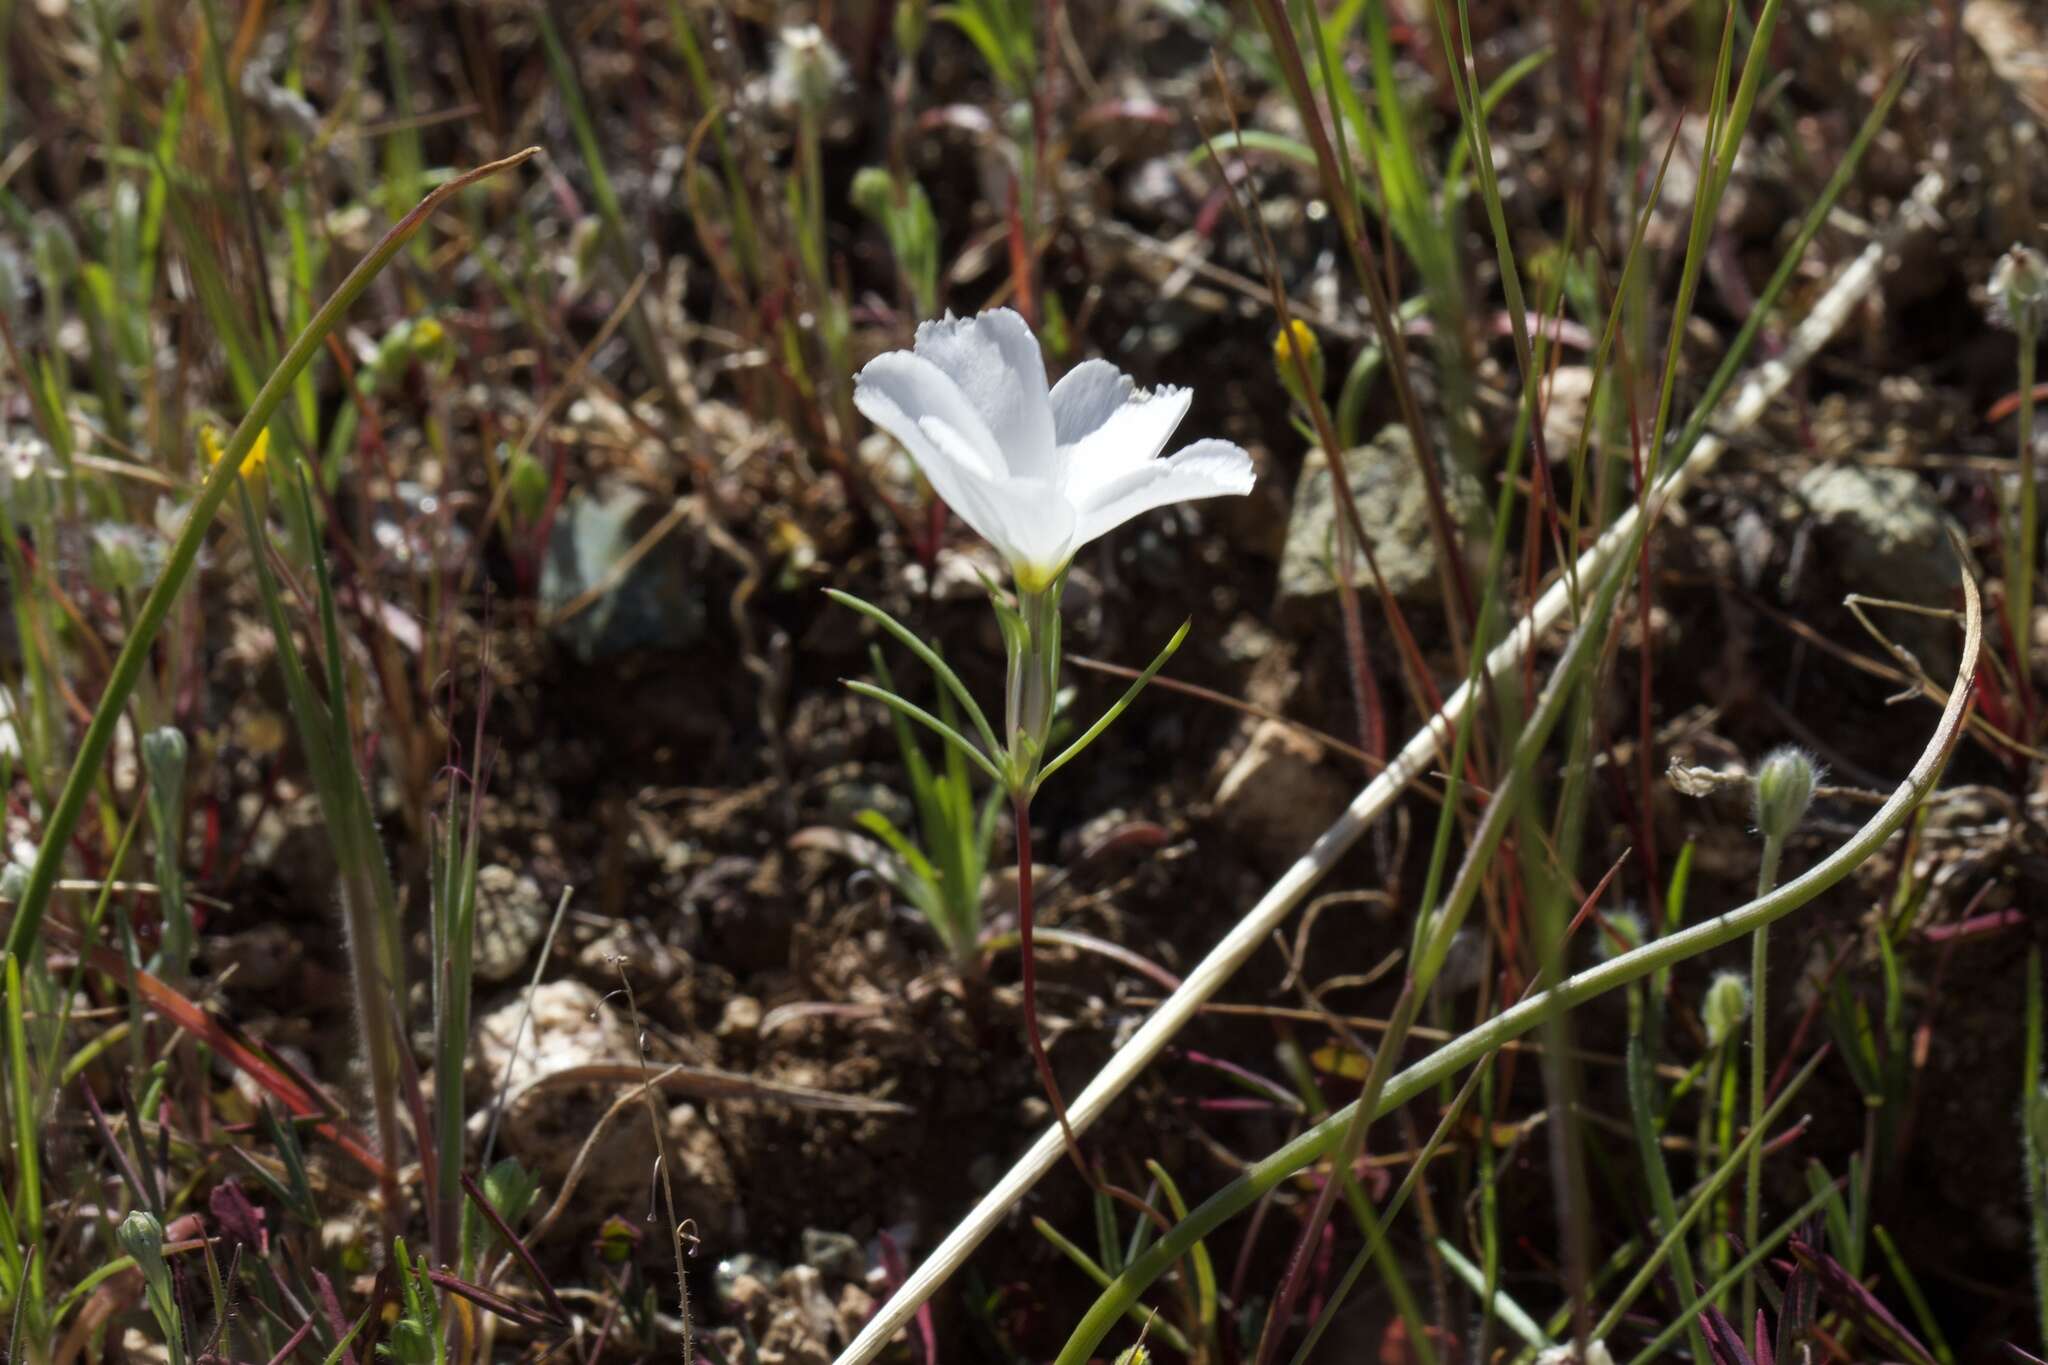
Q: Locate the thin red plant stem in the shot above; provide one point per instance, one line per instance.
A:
(892, 1267)
(1020, 809)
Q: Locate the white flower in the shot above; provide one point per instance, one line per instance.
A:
(1039, 473)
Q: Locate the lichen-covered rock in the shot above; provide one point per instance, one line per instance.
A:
(511, 919)
(1883, 533)
(1393, 506)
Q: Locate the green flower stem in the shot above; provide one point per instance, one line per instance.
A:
(1519, 1019)
(1034, 682)
(1674, 1225)
(1759, 965)
(134, 656)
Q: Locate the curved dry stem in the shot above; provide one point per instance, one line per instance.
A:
(1415, 759)
(1482, 1042)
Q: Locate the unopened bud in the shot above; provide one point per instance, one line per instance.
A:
(1295, 348)
(873, 192)
(1726, 1006)
(1784, 789)
(527, 484)
(163, 757)
(56, 249)
(584, 240)
(116, 560)
(1623, 932)
(142, 1237)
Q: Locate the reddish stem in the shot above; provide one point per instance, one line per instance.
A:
(1020, 809)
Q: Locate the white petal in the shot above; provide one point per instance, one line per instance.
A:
(1085, 397)
(1129, 439)
(898, 391)
(913, 400)
(1206, 469)
(995, 361)
(1038, 526)
(962, 485)
(1027, 521)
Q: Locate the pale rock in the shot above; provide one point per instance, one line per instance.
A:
(856, 1306)
(1882, 532)
(1278, 796)
(1568, 404)
(741, 1020)
(1394, 510)
(545, 1128)
(511, 919)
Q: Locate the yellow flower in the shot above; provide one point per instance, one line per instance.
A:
(253, 464)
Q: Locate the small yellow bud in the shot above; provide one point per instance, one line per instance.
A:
(253, 464)
(427, 335)
(1298, 339)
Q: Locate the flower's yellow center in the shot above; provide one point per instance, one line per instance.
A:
(1035, 578)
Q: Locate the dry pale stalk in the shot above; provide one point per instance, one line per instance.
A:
(1763, 384)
